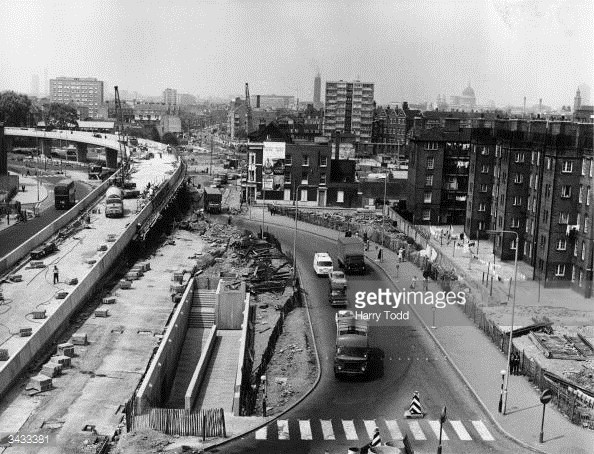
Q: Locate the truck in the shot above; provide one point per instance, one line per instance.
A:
(95, 172)
(351, 255)
(351, 356)
(212, 200)
(337, 289)
(114, 202)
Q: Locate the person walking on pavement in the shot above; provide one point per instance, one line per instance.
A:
(56, 275)
(397, 269)
(413, 282)
(425, 284)
(400, 254)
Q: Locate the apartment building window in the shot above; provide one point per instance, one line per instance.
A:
(500, 222)
(583, 250)
(287, 177)
(531, 180)
(429, 180)
(545, 216)
(519, 178)
(431, 145)
(322, 178)
(535, 181)
(304, 178)
(567, 167)
(426, 215)
(534, 205)
(586, 223)
(482, 207)
(532, 157)
(517, 201)
(288, 160)
(528, 224)
(515, 223)
(513, 245)
(581, 278)
(548, 163)
(484, 151)
(430, 163)
(573, 273)
(252, 158)
(562, 244)
(581, 194)
(484, 188)
(560, 270)
(543, 241)
(565, 191)
(427, 197)
(588, 196)
(323, 161)
(563, 218)
(484, 168)
(590, 166)
(575, 249)
(519, 157)
(340, 196)
(252, 175)
(481, 225)
(504, 177)
(305, 161)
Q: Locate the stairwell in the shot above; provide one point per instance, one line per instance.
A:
(202, 311)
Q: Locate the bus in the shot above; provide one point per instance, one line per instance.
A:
(114, 203)
(64, 195)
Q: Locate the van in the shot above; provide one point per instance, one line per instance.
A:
(322, 264)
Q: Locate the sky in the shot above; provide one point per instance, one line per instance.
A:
(413, 50)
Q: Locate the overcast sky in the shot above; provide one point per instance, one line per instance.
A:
(412, 50)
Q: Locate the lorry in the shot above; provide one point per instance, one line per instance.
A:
(212, 200)
(337, 289)
(351, 356)
(114, 202)
(351, 255)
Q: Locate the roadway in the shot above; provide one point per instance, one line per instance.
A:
(342, 413)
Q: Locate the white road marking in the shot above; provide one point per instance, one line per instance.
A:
(349, 429)
(261, 433)
(305, 429)
(327, 430)
(482, 430)
(283, 429)
(435, 428)
(461, 430)
(416, 430)
(394, 430)
(370, 426)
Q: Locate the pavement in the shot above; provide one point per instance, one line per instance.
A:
(29, 198)
(461, 341)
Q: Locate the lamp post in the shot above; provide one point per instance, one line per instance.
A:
(295, 235)
(263, 205)
(511, 329)
(384, 208)
(500, 408)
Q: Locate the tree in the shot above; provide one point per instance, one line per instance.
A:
(14, 108)
(60, 115)
(170, 139)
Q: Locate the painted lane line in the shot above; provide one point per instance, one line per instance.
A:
(461, 430)
(370, 426)
(394, 430)
(327, 429)
(261, 433)
(435, 428)
(349, 429)
(416, 430)
(482, 430)
(283, 429)
(305, 429)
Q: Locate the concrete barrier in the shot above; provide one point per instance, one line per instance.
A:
(200, 371)
(241, 360)
(161, 372)
(20, 358)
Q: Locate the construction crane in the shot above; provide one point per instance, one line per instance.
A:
(248, 105)
(121, 137)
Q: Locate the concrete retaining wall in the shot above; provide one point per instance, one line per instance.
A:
(198, 375)
(21, 358)
(243, 352)
(161, 372)
(230, 305)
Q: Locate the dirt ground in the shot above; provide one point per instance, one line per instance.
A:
(293, 369)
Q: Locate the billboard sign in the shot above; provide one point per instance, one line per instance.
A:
(273, 166)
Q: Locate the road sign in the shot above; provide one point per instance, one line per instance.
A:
(546, 396)
(443, 417)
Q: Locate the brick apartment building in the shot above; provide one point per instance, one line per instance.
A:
(541, 188)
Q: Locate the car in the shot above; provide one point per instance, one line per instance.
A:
(43, 251)
(322, 264)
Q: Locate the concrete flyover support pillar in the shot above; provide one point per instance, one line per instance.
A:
(111, 158)
(45, 146)
(81, 152)
(3, 152)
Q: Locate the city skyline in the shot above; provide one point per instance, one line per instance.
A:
(409, 51)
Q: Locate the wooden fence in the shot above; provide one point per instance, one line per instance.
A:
(173, 421)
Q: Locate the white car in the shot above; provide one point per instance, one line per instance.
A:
(322, 264)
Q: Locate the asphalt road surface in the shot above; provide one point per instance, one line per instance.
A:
(15, 235)
(343, 413)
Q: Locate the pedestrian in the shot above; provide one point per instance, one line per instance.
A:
(229, 220)
(400, 255)
(514, 365)
(397, 269)
(379, 255)
(56, 275)
(425, 284)
(413, 282)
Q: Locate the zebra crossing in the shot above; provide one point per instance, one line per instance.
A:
(362, 430)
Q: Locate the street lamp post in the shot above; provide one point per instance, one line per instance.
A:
(384, 208)
(500, 408)
(511, 329)
(295, 235)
